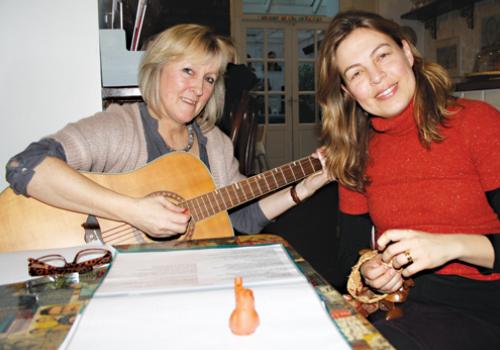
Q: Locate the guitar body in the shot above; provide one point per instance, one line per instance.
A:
(26, 223)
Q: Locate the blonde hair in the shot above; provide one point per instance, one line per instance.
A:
(346, 126)
(232, 53)
(185, 40)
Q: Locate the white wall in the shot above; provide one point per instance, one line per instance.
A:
(49, 69)
(393, 9)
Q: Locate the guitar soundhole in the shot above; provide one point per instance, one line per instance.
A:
(182, 236)
(171, 196)
(180, 201)
(115, 235)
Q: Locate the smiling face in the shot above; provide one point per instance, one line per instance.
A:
(186, 85)
(376, 72)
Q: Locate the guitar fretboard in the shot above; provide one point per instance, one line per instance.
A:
(246, 190)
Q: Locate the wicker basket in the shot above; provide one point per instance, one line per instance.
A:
(355, 285)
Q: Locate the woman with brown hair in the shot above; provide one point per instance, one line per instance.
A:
(423, 169)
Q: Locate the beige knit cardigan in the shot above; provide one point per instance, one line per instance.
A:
(114, 141)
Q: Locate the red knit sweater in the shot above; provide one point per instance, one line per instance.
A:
(437, 190)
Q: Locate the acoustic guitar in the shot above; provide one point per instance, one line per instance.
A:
(26, 223)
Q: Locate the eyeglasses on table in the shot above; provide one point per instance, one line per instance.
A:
(55, 264)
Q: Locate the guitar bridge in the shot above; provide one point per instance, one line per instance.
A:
(92, 230)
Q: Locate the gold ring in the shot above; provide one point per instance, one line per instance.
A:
(408, 257)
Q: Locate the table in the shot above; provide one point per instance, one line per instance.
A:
(39, 316)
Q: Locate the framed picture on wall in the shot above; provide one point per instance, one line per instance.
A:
(448, 55)
(490, 31)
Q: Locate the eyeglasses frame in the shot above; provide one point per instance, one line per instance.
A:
(38, 267)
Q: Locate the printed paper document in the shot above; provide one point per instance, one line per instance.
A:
(182, 299)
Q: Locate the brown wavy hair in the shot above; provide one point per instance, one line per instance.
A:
(346, 126)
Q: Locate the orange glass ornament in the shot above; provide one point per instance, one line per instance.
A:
(244, 319)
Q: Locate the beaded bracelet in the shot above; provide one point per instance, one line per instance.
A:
(294, 195)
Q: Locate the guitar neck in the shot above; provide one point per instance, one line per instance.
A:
(246, 190)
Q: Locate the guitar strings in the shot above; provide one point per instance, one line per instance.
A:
(122, 232)
(119, 232)
(211, 203)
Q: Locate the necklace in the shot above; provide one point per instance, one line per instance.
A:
(190, 139)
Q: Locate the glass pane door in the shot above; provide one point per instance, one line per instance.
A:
(307, 116)
(307, 45)
(265, 56)
(283, 55)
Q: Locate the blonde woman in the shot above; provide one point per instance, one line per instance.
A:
(181, 81)
(424, 169)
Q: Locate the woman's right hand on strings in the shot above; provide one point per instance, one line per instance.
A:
(380, 276)
(158, 217)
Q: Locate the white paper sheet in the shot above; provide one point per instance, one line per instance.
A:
(198, 269)
(128, 316)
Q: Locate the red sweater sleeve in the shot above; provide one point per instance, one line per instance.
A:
(481, 131)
